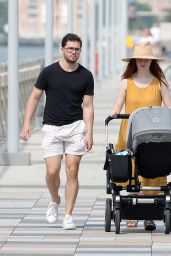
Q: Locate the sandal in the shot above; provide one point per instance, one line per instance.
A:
(149, 225)
(132, 223)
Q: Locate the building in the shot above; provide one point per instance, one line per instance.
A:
(157, 6)
(32, 18)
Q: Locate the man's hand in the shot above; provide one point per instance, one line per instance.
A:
(30, 110)
(88, 141)
(25, 132)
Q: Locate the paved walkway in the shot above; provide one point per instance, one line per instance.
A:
(24, 198)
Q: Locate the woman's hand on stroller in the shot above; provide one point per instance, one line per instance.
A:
(113, 114)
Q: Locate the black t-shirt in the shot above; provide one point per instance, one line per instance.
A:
(64, 93)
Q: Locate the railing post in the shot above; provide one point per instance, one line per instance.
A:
(13, 106)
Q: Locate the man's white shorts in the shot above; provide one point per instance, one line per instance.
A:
(65, 139)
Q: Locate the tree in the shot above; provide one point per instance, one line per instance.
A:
(139, 21)
(142, 7)
(3, 14)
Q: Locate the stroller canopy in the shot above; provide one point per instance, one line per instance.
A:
(150, 124)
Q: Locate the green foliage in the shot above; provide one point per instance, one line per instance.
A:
(142, 7)
(144, 21)
(3, 14)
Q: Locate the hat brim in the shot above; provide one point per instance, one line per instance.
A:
(143, 57)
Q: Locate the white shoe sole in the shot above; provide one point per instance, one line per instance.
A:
(69, 227)
(51, 221)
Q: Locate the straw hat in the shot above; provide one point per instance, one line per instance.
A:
(143, 51)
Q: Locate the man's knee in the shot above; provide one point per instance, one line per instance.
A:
(72, 172)
(52, 172)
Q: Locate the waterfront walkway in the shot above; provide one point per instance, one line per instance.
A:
(24, 198)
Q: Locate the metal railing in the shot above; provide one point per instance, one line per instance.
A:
(28, 72)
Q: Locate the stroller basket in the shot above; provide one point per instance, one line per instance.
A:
(120, 167)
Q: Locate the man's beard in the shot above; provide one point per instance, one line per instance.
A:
(70, 61)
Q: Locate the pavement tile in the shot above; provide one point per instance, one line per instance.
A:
(5, 231)
(9, 222)
(97, 253)
(161, 238)
(16, 204)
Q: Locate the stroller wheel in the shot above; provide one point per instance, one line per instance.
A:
(167, 221)
(117, 219)
(108, 212)
(108, 188)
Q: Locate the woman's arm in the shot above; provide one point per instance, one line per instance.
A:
(120, 100)
(166, 97)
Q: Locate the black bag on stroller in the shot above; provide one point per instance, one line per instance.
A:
(119, 167)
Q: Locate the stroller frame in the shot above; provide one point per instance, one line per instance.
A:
(134, 206)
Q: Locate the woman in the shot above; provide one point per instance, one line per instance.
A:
(143, 85)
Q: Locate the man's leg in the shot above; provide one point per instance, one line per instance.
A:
(71, 189)
(53, 166)
(72, 185)
(53, 152)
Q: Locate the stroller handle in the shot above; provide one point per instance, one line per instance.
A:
(119, 116)
(109, 118)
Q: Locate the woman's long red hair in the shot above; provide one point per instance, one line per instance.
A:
(154, 69)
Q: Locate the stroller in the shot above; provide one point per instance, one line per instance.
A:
(149, 144)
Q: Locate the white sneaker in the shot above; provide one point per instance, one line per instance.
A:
(52, 213)
(68, 222)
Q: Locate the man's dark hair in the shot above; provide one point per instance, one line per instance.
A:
(70, 37)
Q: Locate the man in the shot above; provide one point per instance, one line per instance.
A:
(67, 123)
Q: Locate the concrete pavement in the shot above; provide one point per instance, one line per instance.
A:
(24, 198)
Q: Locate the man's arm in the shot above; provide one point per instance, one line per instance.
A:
(30, 109)
(88, 115)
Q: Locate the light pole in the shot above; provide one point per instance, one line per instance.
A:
(100, 41)
(84, 33)
(12, 156)
(107, 36)
(49, 33)
(92, 37)
(70, 16)
(13, 91)
(124, 9)
(112, 44)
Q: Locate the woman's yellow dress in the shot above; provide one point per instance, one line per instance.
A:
(137, 97)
